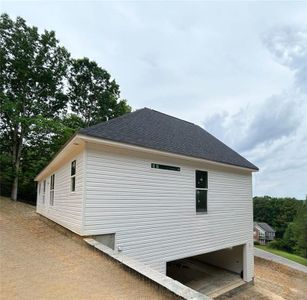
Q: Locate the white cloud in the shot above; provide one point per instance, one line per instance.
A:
(242, 67)
(289, 47)
(260, 125)
(273, 134)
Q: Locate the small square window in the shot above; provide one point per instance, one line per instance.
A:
(201, 179)
(201, 201)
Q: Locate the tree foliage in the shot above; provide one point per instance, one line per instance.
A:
(39, 82)
(277, 212)
(32, 71)
(93, 94)
(288, 216)
(300, 232)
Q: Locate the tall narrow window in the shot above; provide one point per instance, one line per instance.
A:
(44, 192)
(73, 176)
(201, 184)
(51, 201)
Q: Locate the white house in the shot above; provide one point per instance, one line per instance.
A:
(156, 188)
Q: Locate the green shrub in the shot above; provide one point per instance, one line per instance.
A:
(256, 243)
(276, 244)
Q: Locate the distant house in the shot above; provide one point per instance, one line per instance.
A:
(263, 233)
(157, 189)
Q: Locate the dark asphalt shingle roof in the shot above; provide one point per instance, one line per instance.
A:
(155, 130)
(266, 227)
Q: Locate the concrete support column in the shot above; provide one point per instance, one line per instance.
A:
(248, 262)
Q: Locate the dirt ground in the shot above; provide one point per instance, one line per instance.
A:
(40, 260)
(274, 281)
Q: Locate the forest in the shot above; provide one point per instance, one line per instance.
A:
(288, 217)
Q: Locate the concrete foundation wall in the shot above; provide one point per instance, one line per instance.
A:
(106, 239)
(230, 259)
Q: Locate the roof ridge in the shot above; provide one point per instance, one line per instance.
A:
(171, 116)
(111, 120)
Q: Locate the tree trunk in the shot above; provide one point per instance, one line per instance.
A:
(17, 149)
(15, 188)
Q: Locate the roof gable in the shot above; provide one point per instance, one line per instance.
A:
(266, 227)
(151, 129)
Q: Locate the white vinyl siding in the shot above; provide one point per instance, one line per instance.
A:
(152, 211)
(67, 208)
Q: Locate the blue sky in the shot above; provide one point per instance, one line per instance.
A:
(238, 69)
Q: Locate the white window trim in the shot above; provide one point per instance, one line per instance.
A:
(203, 189)
(51, 199)
(44, 192)
(73, 176)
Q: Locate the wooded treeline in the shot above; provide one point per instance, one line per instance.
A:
(45, 96)
(288, 216)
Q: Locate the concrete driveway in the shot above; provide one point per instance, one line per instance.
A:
(41, 260)
(278, 259)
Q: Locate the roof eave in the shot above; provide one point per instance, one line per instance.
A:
(67, 144)
(91, 138)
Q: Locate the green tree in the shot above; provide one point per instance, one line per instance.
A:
(295, 237)
(300, 230)
(93, 94)
(41, 148)
(277, 212)
(36, 74)
(289, 238)
(32, 71)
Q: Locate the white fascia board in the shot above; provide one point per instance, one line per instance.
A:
(74, 142)
(90, 139)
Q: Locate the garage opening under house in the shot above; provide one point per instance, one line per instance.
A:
(213, 273)
(156, 188)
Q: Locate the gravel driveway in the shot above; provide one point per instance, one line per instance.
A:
(278, 259)
(40, 260)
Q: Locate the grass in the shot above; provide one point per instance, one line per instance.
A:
(293, 257)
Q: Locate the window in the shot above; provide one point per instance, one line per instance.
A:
(165, 167)
(73, 176)
(51, 200)
(201, 184)
(44, 192)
